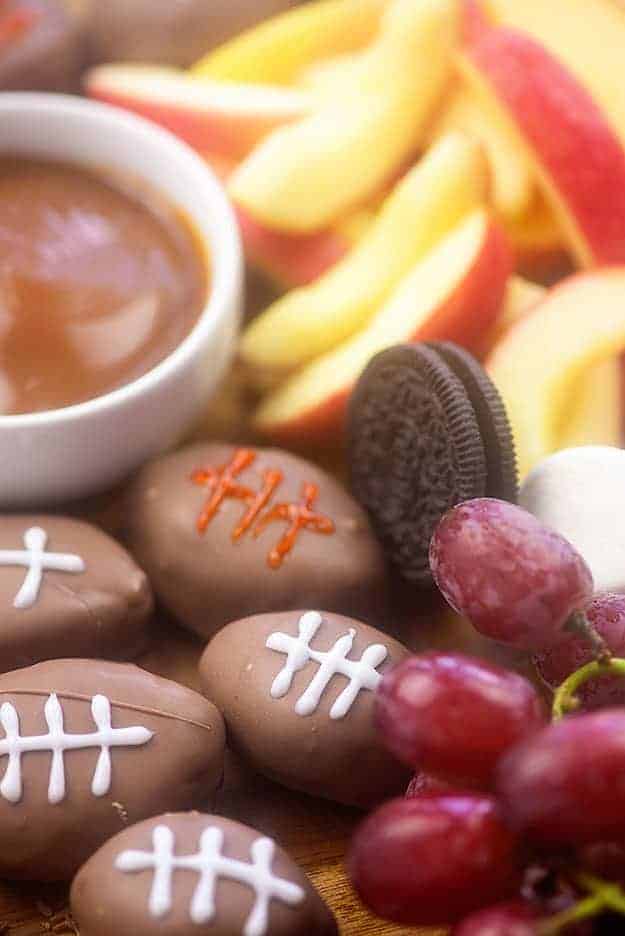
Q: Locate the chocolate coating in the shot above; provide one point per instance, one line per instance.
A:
(102, 612)
(168, 32)
(179, 767)
(340, 759)
(208, 579)
(51, 55)
(106, 900)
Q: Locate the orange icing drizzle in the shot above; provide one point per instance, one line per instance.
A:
(300, 517)
(222, 484)
(14, 23)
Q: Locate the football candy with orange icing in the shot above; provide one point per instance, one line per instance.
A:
(225, 532)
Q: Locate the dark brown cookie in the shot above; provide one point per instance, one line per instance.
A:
(225, 532)
(184, 873)
(426, 430)
(502, 479)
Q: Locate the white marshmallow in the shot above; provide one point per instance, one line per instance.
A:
(580, 492)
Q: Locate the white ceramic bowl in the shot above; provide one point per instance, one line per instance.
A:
(67, 453)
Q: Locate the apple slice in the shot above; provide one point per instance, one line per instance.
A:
(513, 180)
(587, 36)
(277, 50)
(450, 181)
(539, 362)
(538, 243)
(302, 178)
(475, 17)
(227, 119)
(521, 297)
(595, 414)
(453, 293)
(578, 159)
(289, 260)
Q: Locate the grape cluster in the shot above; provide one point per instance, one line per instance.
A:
(500, 788)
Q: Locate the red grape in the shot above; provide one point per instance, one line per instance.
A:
(607, 616)
(425, 783)
(424, 705)
(516, 580)
(433, 859)
(507, 919)
(566, 784)
(604, 859)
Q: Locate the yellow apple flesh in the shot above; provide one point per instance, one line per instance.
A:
(453, 293)
(226, 119)
(303, 177)
(513, 180)
(276, 51)
(538, 364)
(450, 181)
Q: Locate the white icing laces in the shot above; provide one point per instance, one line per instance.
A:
(211, 864)
(57, 741)
(362, 674)
(37, 561)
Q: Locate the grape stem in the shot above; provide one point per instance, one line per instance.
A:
(565, 699)
(602, 896)
(579, 625)
(582, 910)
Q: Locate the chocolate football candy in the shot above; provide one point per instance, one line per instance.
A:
(427, 429)
(297, 692)
(89, 747)
(580, 493)
(43, 46)
(185, 873)
(225, 532)
(67, 589)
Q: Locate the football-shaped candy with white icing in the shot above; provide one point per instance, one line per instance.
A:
(87, 748)
(67, 589)
(224, 532)
(297, 692)
(188, 873)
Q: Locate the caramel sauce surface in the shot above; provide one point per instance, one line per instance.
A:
(99, 282)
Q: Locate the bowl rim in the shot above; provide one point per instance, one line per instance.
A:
(224, 243)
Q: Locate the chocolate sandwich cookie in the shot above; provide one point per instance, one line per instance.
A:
(43, 46)
(427, 429)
